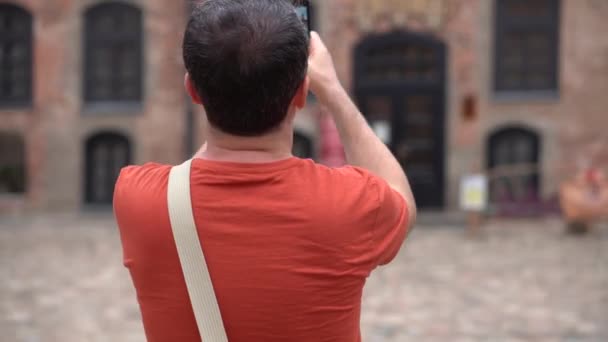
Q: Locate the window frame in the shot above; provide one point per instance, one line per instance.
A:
(108, 140)
(93, 41)
(27, 100)
(503, 24)
(509, 134)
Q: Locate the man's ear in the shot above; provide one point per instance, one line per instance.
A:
(299, 101)
(191, 89)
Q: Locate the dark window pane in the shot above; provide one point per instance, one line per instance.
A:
(15, 56)
(526, 45)
(302, 146)
(106, 154)
(418, 124)
(401, 62)
(379, 108)
(513, 162)
(12, 164)
(113, 51)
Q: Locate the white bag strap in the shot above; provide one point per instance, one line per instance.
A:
(200, 288)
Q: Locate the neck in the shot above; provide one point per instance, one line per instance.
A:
(267, 148)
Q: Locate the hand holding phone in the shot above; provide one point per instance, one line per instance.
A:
(303, 10)
(321, 69)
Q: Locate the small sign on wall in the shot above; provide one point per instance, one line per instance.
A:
(474, 193)
(383, 130)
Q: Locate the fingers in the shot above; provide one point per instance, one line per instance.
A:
(316, 43)
(314, 38)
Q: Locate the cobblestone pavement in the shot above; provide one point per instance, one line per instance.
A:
(61, 279)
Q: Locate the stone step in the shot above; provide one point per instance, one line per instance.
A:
(441, 218)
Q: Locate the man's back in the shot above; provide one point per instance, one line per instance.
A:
(289, 245)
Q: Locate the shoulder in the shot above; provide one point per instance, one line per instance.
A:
(346, 192)
(133, 174)
(358, 188)
(140, 207)
(342, 175)
(137, 182)
(370, 208)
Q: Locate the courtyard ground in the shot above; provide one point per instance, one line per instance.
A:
(61, 279)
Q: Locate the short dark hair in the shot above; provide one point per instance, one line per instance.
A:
(247, 59)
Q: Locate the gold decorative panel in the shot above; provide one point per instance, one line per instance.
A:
(428, 13)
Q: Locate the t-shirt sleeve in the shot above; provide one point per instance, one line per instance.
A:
(138, 198)
(125, 207)
(391, 222)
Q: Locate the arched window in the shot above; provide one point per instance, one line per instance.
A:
(113, 53)
(15, 56)
(514, 163)
(105, 155)
(12, 164)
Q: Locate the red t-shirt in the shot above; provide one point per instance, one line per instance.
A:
(288, 244)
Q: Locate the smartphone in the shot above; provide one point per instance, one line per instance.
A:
(303, 9)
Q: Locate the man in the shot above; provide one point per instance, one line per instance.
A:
(289, 243)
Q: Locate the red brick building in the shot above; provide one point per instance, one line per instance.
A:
(453, 87)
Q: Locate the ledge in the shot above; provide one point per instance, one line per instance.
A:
(516, 97)
(112, 108)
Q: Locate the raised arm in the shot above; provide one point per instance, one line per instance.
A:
(363, 148)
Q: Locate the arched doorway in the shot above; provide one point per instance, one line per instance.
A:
(12, 164)
(105, 154)
(302, 146)
(400, 87)
(513, 161)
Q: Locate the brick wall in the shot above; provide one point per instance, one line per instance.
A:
(346, 22)
(58, 122)
(571, 122)
(574, 121)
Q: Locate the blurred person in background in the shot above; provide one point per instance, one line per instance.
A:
(584, 197)
(288, 243)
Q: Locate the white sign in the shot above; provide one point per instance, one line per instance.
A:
(474, 193)
(382, 130)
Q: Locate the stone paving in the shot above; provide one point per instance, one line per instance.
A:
(61, 279)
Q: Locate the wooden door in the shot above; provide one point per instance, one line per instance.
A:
(400, 87)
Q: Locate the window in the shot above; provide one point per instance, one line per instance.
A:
(113, 54)
(399, 58)
(105, 154)
(302, 146)
(514, 165)
(15, 56)
(527, 45)
(12, 164)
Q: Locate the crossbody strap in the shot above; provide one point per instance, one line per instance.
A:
(191, 257)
